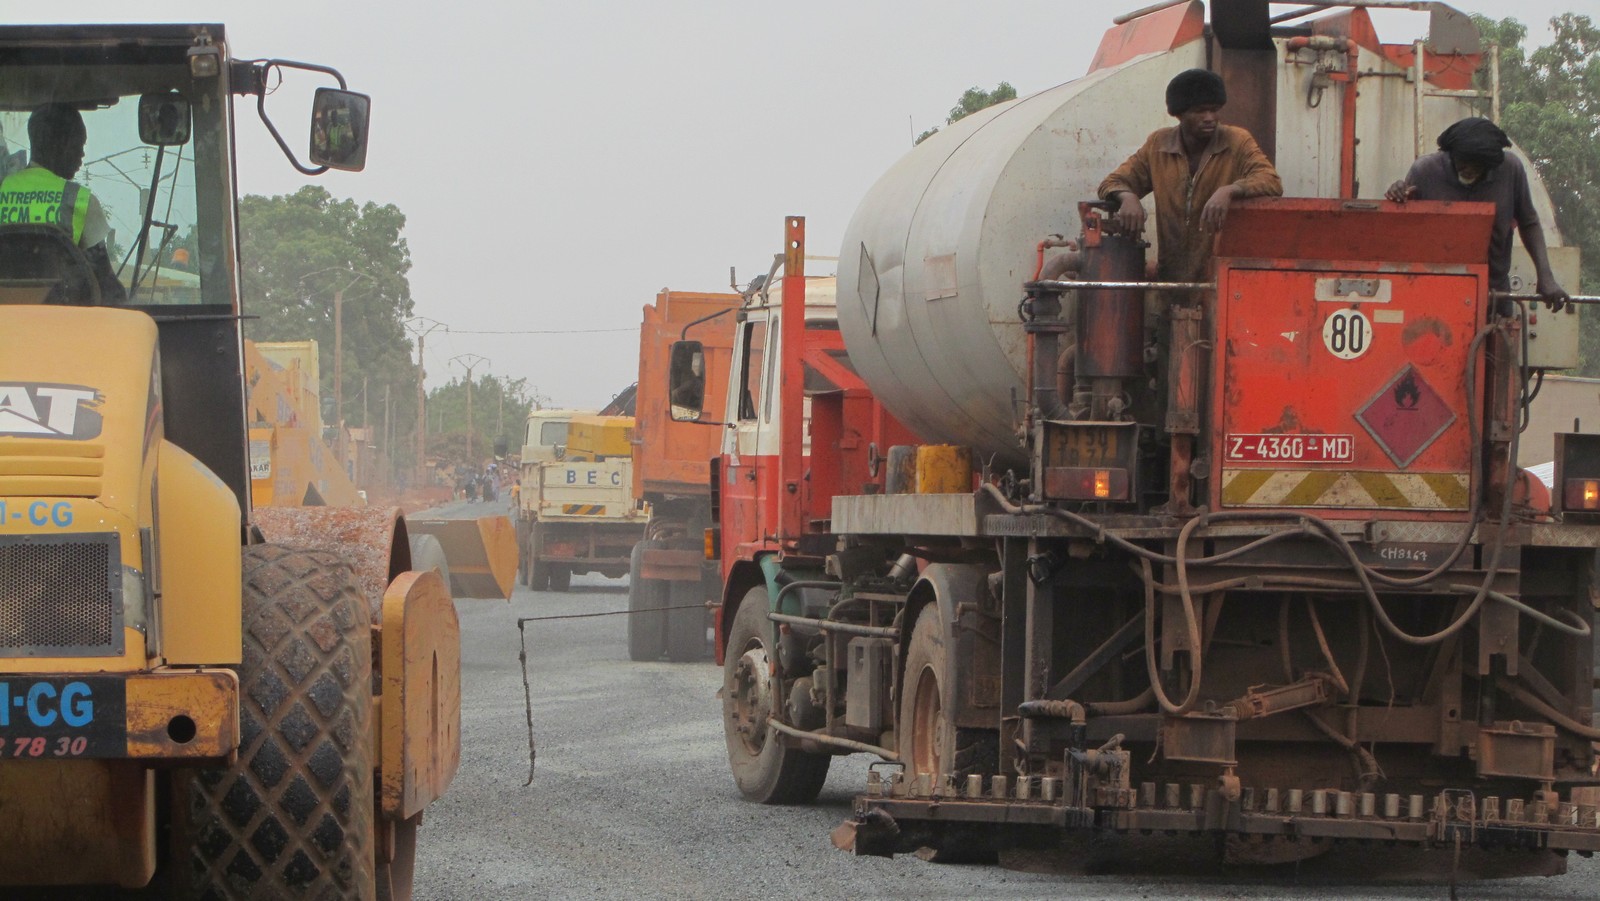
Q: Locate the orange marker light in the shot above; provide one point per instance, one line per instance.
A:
(1582, 494)
(1102, 483)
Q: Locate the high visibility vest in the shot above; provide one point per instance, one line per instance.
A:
(40, 197)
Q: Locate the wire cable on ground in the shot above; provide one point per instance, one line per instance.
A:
(522, 655)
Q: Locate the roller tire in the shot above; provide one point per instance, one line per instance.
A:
(929, 743)
(646, 630)
(765, 770)
(686, 629)
(293, 817)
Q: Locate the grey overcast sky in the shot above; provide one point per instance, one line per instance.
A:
(560, 162)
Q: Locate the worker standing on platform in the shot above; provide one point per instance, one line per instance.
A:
(1471, 165)
(1195, 169)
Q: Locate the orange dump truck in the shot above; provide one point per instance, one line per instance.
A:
(671, 472)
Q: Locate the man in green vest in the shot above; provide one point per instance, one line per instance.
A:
(43, 193)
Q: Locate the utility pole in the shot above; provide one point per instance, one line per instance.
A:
(422, 326)
(388, 443)
(500, 418)
(338, 365)
(469, 362)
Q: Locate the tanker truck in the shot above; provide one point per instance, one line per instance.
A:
(1248, 559)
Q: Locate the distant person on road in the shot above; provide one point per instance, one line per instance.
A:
(43, 193)
(1471, 164)
(1196, 169)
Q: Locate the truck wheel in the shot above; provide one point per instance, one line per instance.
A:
(686, 629)
(764, 768)
(525, 561)
(646, 630)
(538, 572)
(929, 743)
(558, 578)
(292, 817)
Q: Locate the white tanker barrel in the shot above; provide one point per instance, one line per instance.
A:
(934, 259)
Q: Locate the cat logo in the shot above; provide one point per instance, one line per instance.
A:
(50, 411)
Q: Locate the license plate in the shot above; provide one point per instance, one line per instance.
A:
(1291, 448)
(1089, 447)
(63, 716)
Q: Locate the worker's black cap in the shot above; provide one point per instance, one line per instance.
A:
(1195, 87)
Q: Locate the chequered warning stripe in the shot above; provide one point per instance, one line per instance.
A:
(1374, 490)
(583, 509)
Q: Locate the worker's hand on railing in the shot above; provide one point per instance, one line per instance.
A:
(1130, 214)
(1551, 291)
(1400, 192)
(1216, 209)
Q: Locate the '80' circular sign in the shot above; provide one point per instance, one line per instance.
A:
(1347, 334)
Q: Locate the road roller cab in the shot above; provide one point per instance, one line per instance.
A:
(169, 679)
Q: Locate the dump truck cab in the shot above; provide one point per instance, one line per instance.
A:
(142, 616)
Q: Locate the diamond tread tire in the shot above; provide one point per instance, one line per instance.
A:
(293, 817)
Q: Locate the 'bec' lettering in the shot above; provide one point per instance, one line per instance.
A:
(592, 480)
(616, 478)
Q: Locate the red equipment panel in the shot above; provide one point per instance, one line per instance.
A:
(1341, 385)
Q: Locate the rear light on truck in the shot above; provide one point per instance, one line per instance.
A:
(713, 544)
(1083, 484)
(1582, 494)
(1577, 476)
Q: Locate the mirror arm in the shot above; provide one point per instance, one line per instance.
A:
(255, 78)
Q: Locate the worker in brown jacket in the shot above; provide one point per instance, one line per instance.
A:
(1196, 169)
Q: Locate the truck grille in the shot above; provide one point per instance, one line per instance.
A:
(60, 595)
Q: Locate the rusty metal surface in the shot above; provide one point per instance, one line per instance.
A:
(1263, 813)
(78, 822)
(672, 566)
(208, 698)
(365, 537)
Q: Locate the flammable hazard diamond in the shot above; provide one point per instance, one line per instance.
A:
(1406, 416)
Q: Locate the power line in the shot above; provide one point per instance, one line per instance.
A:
(552, 331)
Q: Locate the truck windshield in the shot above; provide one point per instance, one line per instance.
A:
(175, 196)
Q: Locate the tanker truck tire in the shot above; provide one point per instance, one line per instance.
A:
(427, 553)
(929, 744)
(293, 816)
(646, 630)
(765, 770)
(686, 629)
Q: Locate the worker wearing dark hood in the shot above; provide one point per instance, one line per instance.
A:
(1195, 169)
(1472, 165)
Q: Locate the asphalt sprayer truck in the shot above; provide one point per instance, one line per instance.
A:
(194, 696)
(1248, 559)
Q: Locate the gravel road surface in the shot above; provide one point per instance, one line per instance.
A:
(631, 797)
